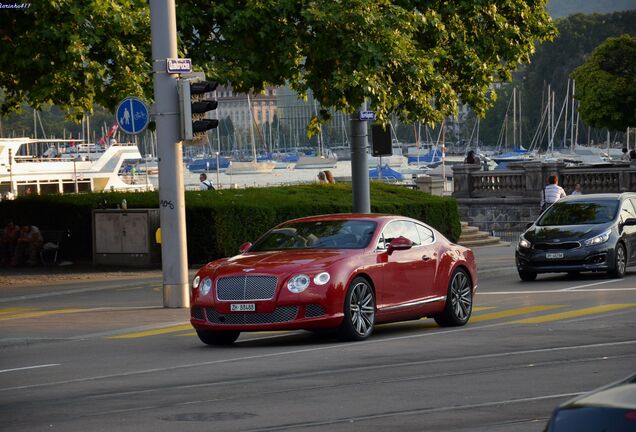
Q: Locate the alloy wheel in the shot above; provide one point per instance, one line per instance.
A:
(461, 296)
(362, 308)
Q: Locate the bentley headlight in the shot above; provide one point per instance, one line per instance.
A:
(298, 283)
(599, 239)
(206, 286)
(322, 278)
(523, 243)
(196, 282)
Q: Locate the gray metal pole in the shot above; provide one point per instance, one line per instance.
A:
(359, 164)
(163, 26)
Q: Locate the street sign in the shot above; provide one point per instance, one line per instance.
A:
(367, 115)
(177, 66)
(132, 115)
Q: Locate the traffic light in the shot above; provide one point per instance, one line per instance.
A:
(194, 103)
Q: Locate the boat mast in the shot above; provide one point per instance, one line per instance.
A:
(253, 142)
(514, 118)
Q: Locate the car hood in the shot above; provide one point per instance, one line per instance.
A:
(278, 261)
(564, 233)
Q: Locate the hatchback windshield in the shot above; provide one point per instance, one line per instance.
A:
(580, 213)
(337, 234)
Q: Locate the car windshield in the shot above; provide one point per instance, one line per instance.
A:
(580, 213)
(335, 234)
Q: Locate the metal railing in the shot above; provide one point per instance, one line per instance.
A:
(508, 231)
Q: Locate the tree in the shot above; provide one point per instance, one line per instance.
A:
(606, 84)
(412, 58)
(555, 61)
(74, 54)
(415, 59)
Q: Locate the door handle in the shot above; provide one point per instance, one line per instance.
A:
(426, 257)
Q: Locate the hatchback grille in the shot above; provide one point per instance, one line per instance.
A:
(255, 287)
(313, 311)
(280, 314)
(557, 246)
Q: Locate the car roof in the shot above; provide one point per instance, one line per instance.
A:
(349, 216)
(620, 394)
(599, 196)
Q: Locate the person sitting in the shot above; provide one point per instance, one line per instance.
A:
(205, 183)
(471, 159)
(329, 177)
(322, 178)
(8, 241)
(28, 246)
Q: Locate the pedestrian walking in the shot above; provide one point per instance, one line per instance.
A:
(205, 183)
(552, 192)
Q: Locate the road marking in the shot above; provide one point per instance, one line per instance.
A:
(575, 313)
(36, 313)
(341, 346)
(141, 334)
(483, 308)
(29, 367)
(589, 285)
(513, 312)
(10, 311)
(559, 291)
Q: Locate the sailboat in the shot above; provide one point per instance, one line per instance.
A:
(253, 166)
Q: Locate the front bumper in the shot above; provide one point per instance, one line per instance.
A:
(267, 317)
(591, 258)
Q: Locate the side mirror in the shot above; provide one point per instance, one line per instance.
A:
(245, 246)
(399, 243)
(629, 222)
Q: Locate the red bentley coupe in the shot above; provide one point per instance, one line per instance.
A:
(342, 271)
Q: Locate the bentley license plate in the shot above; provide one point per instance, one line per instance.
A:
(555, 255)
(243, 307)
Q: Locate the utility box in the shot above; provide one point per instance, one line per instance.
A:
(126, 237)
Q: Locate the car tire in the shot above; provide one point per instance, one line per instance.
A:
(527, 276)
(359, 311)
(459, 301)
(211, 337)
(620, 262)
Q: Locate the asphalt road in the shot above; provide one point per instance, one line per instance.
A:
(105, 356)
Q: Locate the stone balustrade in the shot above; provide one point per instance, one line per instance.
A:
(528, 179)
(509, 199)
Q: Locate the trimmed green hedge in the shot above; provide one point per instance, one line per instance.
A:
(219, 221)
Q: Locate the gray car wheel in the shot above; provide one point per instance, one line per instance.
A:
(359, 311)
(620, 261)
(459, 301)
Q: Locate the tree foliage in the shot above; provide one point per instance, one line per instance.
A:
(412, 58)
(408, 57)
(74, 53)
(554, 61)
(606, 84)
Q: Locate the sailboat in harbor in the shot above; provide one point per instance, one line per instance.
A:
(254, 166)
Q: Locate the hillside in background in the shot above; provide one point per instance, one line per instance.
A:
(563, 8)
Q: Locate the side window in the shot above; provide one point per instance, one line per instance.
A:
(396, 229)
(410, 232)
(627, 210)
(426, 235)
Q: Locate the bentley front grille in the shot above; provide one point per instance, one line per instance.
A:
(280, 315)
(237, 288)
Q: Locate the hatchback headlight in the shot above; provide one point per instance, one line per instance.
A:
(206, 286)
(298, 283)
(523, 243)
(599, 239)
